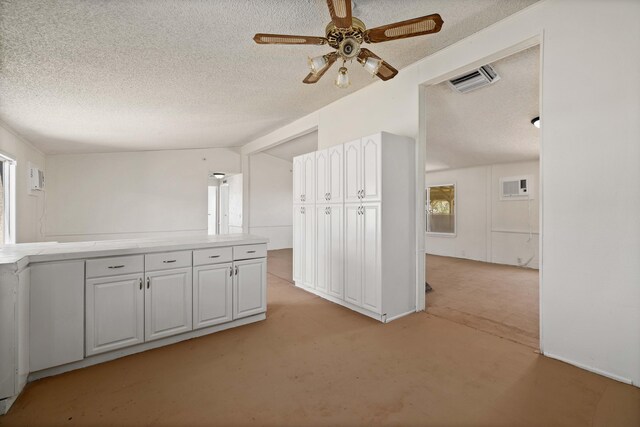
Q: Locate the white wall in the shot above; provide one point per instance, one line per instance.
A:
(29, 207)
(590, 295)
(235, 203)
(133, 194)
(489, 229)
(271, 199)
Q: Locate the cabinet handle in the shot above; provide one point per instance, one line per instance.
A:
(169, 261)
(116, 266)
(214, 256)
(328, 210)
(236, 270)
(148, 283)
(329, 195)
(230, 271)
(140, 283)
(251, 252)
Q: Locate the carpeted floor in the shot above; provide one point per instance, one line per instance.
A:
(315, 363)
(499, 299)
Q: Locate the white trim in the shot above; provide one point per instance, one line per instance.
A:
(389, 319)
(590, 369)
(373, 315)
(5, 404)
(116, 354)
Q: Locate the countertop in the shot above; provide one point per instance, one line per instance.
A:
(25, 253)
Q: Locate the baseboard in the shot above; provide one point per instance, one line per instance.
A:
(5, 404)
(591, 369)
(397, 316)
(116, 354)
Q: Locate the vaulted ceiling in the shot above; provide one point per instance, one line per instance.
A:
(491, 124)
(95, 76)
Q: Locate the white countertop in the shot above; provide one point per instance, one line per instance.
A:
(24, 253)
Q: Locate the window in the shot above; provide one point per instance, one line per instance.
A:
(441, 208)
(7, 200)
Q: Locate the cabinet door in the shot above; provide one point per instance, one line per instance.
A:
(249, 287)
(371, 283)
(298, 244)
(168, 303)
(335, 262)
(212, 295)
(298, 179)
(114, 313)
(335, 174)
(323, 242)
(309, 243)
(371, 168)
(352, 255)
(322, 176)
(352, 171)
(56, 320)
(309, 178)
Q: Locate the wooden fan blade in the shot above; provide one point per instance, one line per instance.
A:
(313, 78)
(401, 30)
(340, 11)
(385, 72)
(287, 39)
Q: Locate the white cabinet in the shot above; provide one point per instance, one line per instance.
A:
(329, 250)
(365, 227)
(168, 303)
(212, 294)
(56, 321)
(304, 245)
(114, 312)
(304, 177)
(249, 287)
(329, 175)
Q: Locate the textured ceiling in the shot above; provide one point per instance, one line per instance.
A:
(91, 76)
(302, 145)
(489, 125)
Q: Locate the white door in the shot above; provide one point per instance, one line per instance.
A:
(335, 174)
(224, 209)
(309, 178)
(249, 287)
(371, 283)
(335, 263)
(168, 303)
(371, 185)
(308, 270)
(298, 179)
(212, 294)
(114, 313)
(352, 171)
(352, 254)
(212, 209)
(322, 176)
(298, 244)
(323, 244)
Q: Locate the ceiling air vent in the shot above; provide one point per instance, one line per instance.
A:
(475, 79)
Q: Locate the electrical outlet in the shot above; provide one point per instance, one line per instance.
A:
(519, 260)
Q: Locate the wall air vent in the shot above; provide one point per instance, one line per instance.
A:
(475, 79)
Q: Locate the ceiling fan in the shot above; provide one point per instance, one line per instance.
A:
(346, 34)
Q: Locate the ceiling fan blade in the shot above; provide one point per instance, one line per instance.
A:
(287, 39)
(313, 78)
(401, 30)
(385, 72)
(340, 11)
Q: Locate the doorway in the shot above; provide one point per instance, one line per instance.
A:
(482, 194)
(224, 203)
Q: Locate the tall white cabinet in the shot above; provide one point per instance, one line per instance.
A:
(362, 245)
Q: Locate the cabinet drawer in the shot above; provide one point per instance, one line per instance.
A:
(249, 251)
(212, 256)
(167, 260)
(115, 266)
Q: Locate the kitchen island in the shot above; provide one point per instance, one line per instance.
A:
(65, 306)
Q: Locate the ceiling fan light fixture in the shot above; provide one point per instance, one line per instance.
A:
(342, 80)
(536, 122)
(318, 63)
(218, 175)
(372, 65)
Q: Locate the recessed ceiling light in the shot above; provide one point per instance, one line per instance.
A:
(536, 122)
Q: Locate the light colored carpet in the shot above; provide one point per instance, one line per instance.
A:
(314, 363)
(498, 299)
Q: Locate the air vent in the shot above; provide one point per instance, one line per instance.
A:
(475, 79)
